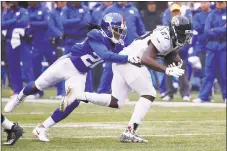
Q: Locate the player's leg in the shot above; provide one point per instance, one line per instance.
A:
(221, 65)
(52, 75)
(106, 78)
(142, 84)
(13, 130)
(208, 78)
(120, 91)
(75, 83)
(13, 60)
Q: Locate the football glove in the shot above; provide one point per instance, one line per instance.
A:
(135, 60)
(174, 70)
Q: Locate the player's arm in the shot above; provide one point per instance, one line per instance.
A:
(44, 22)
(149, 59)
(102, 51)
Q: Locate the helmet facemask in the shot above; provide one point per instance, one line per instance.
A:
(118, 33)
(182, 35)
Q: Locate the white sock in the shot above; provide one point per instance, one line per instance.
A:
(140, 110)
(49, 122)
(99, 99)
(6, 124)
(21, 95)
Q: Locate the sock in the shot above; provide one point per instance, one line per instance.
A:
(6, 124)
(99, 99)
(49, 122)
(58, 115)
(28, 90)
(140, 110)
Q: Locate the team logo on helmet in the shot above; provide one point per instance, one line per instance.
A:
(108, 19)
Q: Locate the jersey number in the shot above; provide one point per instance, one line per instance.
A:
(91, 61)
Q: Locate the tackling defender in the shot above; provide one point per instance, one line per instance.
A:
(73, 67)
(162, 41)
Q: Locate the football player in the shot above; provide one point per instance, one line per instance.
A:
(161, 42)
(13, 130)
(73, 67)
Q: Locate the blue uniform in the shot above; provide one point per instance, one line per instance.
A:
(135, 28)
(56, 38)
(94, 50)
(11, 20)
(41, 46)
(134, 23)
(215, 32)
(75, 22)
(97, 14)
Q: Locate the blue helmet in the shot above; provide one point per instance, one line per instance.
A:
(114, 27)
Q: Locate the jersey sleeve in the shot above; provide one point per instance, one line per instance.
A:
(96, 42)
(161, 40)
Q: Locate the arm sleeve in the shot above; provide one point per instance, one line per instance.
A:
(43, 23)
(207, 28)
(56, 32)
(101, 50)
(197, 25)
(220, 30)
(7, 23)
(23, 21)
(78, 21)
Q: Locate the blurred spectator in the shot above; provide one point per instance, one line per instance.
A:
(76, 19)
(183, 81)
(215, 32)
(150, 17)
(135, 28)
(175, 7)
(198, 26)
(97, 13)
(14, 20)
(39, 30)
(56, 39)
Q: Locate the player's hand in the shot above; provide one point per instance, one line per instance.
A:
(174, 70)
(135, 60)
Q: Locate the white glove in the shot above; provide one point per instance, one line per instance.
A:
(135, 60)
(179, 64)
(174, 70)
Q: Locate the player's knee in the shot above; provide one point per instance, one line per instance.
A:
(31, 88)
(149, 97)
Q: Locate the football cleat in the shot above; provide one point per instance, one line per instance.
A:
(186, 98)
(13, 134)
(167, 98)
(70, 97)
(198, 100)
(129, 135)
(12, 104)
(41, 133)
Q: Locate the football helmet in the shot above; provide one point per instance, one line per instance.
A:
(180, 30)
(114, 27)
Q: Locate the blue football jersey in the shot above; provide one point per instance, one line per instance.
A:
(95, 49)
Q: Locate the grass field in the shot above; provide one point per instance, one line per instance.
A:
(94, 128)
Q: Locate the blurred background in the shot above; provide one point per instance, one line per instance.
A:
(35, 34)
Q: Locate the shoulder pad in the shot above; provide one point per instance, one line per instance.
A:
(95, 34)
(160, 38)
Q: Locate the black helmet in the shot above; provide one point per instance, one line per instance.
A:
(180, 30)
